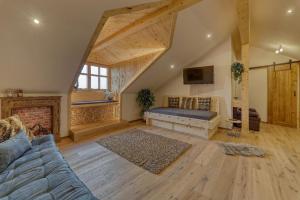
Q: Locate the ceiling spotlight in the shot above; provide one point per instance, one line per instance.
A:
(172, 66)
(281, 49)
(36, 21)
(209, 36)
(290, 11)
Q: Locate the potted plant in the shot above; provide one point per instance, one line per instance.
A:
(237, 70)
(145, 100)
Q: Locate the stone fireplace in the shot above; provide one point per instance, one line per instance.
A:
(40, 114)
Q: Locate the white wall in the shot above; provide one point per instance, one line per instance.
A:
(63, 110)
(258, 79)
(130, 109)
(221, 58)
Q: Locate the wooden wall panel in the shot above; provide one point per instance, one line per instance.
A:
(86, 95)
(123, 73)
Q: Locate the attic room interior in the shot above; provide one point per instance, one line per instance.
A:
(149, 99)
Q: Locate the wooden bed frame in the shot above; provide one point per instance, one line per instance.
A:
(198, 127)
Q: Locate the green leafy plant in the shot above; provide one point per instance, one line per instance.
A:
(237, 70)
(145, 99)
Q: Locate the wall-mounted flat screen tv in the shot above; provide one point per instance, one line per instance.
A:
(198, 75)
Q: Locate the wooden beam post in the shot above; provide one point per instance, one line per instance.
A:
(245, 89)
(243, 10)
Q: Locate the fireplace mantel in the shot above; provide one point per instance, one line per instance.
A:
(8, 104)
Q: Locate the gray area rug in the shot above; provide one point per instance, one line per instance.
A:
(242, 149)
(149, 151)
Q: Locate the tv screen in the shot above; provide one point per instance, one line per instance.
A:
(199, 75)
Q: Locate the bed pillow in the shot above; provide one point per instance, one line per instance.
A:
(173, 102)
(204, 103)
(12, 149)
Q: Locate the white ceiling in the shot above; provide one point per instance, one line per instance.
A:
(271, 26)
(45, 57)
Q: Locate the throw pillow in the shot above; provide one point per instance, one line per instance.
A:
(204, 103)
(187, 103)
(173, 102)
(5, 130)
(12, 149)
(17, 126)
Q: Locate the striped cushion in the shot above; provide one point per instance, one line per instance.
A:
(173, 102)
(187, 103)
(204, 103)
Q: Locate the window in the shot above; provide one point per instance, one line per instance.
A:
(93, 77)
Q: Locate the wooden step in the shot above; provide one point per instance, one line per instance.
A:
(80, 132)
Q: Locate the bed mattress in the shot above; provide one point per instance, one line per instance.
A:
(196, 114)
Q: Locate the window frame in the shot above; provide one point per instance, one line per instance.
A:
(90, 75)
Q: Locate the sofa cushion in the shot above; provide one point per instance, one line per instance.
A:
(12, 149)
(173, 102)
(42, 174)
(204, 103)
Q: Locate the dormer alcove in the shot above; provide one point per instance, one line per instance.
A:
(127, 42)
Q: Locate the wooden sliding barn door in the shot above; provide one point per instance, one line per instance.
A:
(282, 94)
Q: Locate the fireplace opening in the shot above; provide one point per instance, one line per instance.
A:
(37, 119)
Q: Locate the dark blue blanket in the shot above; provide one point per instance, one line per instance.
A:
(42, 174)
(196, 114)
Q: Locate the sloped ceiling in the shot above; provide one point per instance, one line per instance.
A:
(272, 26)
(45, 57)
(217, 17)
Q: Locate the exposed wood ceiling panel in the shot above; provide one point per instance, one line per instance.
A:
(151, 39)
(116, 23)
(171, 7)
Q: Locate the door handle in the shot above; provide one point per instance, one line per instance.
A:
(294, 93)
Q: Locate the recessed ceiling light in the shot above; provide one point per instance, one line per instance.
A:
(209, 36)
(36, 21)
(281, 49)
(172, 66)
(290, 11)
(277, 51)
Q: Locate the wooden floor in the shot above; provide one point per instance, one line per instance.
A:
(202, 173)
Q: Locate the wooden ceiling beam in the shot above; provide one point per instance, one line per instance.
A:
(243, 11)
(236, 43)
(171, 8)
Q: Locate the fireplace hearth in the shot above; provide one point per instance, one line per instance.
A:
(40, 114)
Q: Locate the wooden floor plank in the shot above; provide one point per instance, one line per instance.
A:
(202, 173)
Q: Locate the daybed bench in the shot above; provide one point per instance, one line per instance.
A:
(186, 115)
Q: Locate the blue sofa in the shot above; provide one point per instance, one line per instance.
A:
(41, 173)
